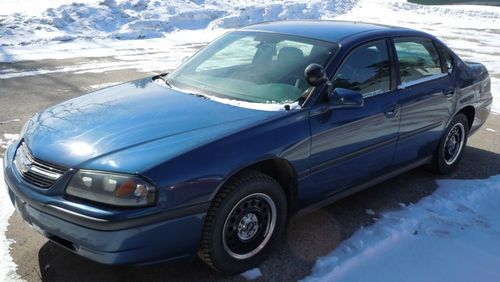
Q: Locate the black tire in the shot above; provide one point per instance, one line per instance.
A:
(228, 210)
(444, 160)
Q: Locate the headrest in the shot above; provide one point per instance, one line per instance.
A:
(290, 54)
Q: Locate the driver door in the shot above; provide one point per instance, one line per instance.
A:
(351, 146)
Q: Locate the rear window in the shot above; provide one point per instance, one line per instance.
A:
(418, 58)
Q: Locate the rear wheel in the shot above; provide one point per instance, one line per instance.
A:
(451, 146)
(243, 222)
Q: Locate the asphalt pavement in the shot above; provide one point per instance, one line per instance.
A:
(307, 237)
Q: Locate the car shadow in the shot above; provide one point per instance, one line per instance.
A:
(307, 237)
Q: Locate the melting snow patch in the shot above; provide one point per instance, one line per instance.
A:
(451, 235)
(101, 86)
(7, 265)
(252, 274)
(10, 120)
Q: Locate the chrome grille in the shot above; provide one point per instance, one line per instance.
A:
(35, 171)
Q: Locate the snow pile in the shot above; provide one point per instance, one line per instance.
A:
(136, 19)
(452, 235)
(7, 265)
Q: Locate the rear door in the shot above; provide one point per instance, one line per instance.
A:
(350, 146)
(426, 98)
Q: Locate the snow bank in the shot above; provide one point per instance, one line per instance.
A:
(7, 265)
(173, 29)
(136, 19)
(452, 235)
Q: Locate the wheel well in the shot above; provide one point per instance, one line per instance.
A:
(469, 112)
(284, 173)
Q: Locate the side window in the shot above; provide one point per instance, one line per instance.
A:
(417, 57)
(366, 70)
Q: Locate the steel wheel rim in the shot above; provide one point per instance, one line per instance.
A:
(454, 143)
(249, 226)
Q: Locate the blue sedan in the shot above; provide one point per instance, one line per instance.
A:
(266, 122)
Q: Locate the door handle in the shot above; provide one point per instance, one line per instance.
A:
(391, 111)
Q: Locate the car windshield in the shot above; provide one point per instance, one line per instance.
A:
(258, 67)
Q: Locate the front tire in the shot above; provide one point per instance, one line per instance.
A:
(451, 146)
(243, 222)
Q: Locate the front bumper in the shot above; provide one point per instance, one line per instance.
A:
(164, 237)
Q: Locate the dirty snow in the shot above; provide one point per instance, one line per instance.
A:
(451, 235)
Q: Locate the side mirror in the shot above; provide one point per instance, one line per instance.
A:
(342, 98)
(315, 75)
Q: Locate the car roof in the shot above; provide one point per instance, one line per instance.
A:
(330, 30)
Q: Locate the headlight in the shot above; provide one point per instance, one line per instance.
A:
(114, 189)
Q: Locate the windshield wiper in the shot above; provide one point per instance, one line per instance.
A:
(164, 78)
(200, 96)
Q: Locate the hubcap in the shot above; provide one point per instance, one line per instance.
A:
(454, 143)
(249, 226)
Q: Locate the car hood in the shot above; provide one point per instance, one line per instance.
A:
(129, 115)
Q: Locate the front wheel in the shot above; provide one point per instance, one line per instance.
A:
(451, 146)
(243, 222)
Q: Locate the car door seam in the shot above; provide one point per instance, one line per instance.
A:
(420, 130)
(352, 155)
